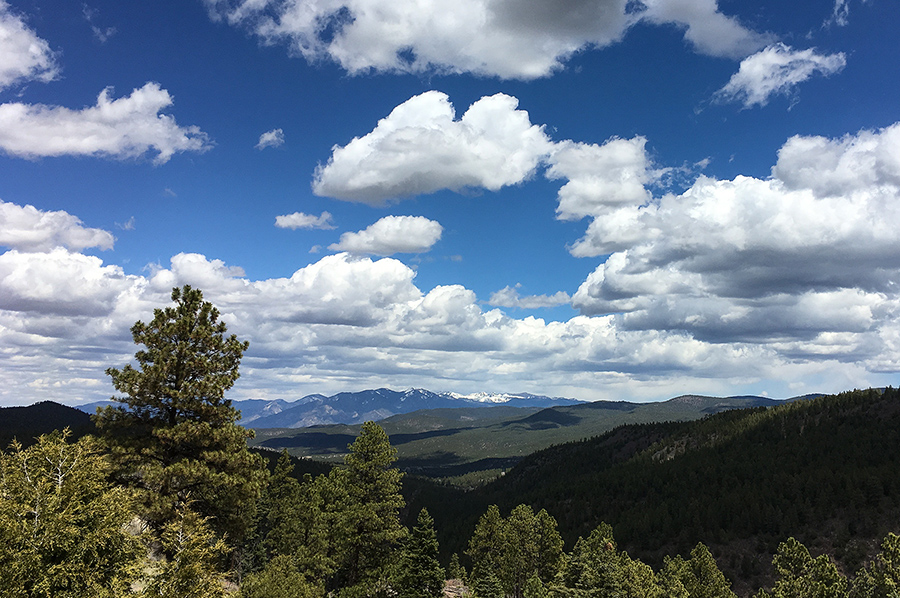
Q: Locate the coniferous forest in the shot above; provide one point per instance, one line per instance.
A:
(164, 499)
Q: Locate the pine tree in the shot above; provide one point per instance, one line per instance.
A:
(190, 569)
(881, 579)
(281, 578)
(454, 569)
(488, 587)
(175, 437)
(371, 517)
(283, 520)
(801, 576)
(699, 575)
(420, 573)
(534, 587)
(531, 545)
(301, 521)
(485, 544)
(62, 527)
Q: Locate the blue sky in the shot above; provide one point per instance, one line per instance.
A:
(602, 199)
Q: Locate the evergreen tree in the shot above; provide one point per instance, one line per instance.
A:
(371, 517)
(281, 578)
(534, 587)
(419, 573)
(485, 544)
(881, 579)
(175, 436)
(62, 527)
(190, 569)
(801, 576)
(454, 569)
(670, 576)
(487, 586)
(283, 520)
(532, 545)
(596, 568)
(699, 575)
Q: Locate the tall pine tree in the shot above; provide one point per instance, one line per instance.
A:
(372, 516)
(175, 437)
(420, 574)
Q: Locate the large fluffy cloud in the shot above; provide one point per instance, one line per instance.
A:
(392, 234)
(505, 38)
(126, 127)
(28, 229)
(776, 70)
(338, 323)
(421, 148)
(600, 177)
(807, 257)
(23, 55)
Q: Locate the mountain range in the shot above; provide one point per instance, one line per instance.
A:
(366, 405)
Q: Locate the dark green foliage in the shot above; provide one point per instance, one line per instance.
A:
(881, 578)
(801, 576)
(516, 548)
(175, 438)
(485, 545)
(597, 569)
(281, 578)
(454, 569)
(534, 587)
(823, 471)
(419, 573)
(488, 587)
(373, 503)
(700, 575)
(190, 567)
(340, 531)
(62, 527)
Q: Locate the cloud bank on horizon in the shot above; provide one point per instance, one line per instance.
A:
(706, 278)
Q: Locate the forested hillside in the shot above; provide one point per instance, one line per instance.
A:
(824, 471)
(469, 446)
(27, 423)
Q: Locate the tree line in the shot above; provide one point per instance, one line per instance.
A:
(168, 502)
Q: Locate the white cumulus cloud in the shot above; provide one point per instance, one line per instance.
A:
(300, 220)
(708, 30)
(392, 234)
(600, 177)
(23, 55)
(126, 127)
(512, 39)
(421, 148)
(807, 255)
(776, 70)
(28, 229)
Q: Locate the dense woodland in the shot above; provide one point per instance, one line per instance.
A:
(166, 500)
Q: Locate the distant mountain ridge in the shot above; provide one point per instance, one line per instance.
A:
(381, 403)
(358, 407)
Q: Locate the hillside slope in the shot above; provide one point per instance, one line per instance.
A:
(824, 471)
(475, 444)
(27, 423)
